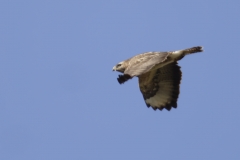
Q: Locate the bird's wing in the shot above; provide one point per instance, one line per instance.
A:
(142, 63)
(160, 88)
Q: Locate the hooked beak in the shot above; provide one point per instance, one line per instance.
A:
(114, 68)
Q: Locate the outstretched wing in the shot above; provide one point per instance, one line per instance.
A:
(142, 63)
(160, 88)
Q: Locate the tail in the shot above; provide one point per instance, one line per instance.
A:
(193, 50)
(178, 55)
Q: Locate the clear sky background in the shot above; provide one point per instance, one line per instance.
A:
(59, 98)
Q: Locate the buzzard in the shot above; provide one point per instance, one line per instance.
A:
(158, 75)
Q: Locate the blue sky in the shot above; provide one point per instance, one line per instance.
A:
(59, 98)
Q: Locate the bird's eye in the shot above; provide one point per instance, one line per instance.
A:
(118, 65)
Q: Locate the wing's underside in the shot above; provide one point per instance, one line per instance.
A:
(160, 88)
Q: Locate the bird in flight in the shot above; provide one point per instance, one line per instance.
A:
(158, 75)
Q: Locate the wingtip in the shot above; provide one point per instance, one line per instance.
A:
(167, 107)
(123, 78)
(174, 104)
(147, 105)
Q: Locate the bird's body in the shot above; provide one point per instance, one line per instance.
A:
(159, 75)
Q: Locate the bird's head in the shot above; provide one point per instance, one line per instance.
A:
(120, 67)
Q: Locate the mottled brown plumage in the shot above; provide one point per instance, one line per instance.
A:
(159, 76)
(162, 83)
